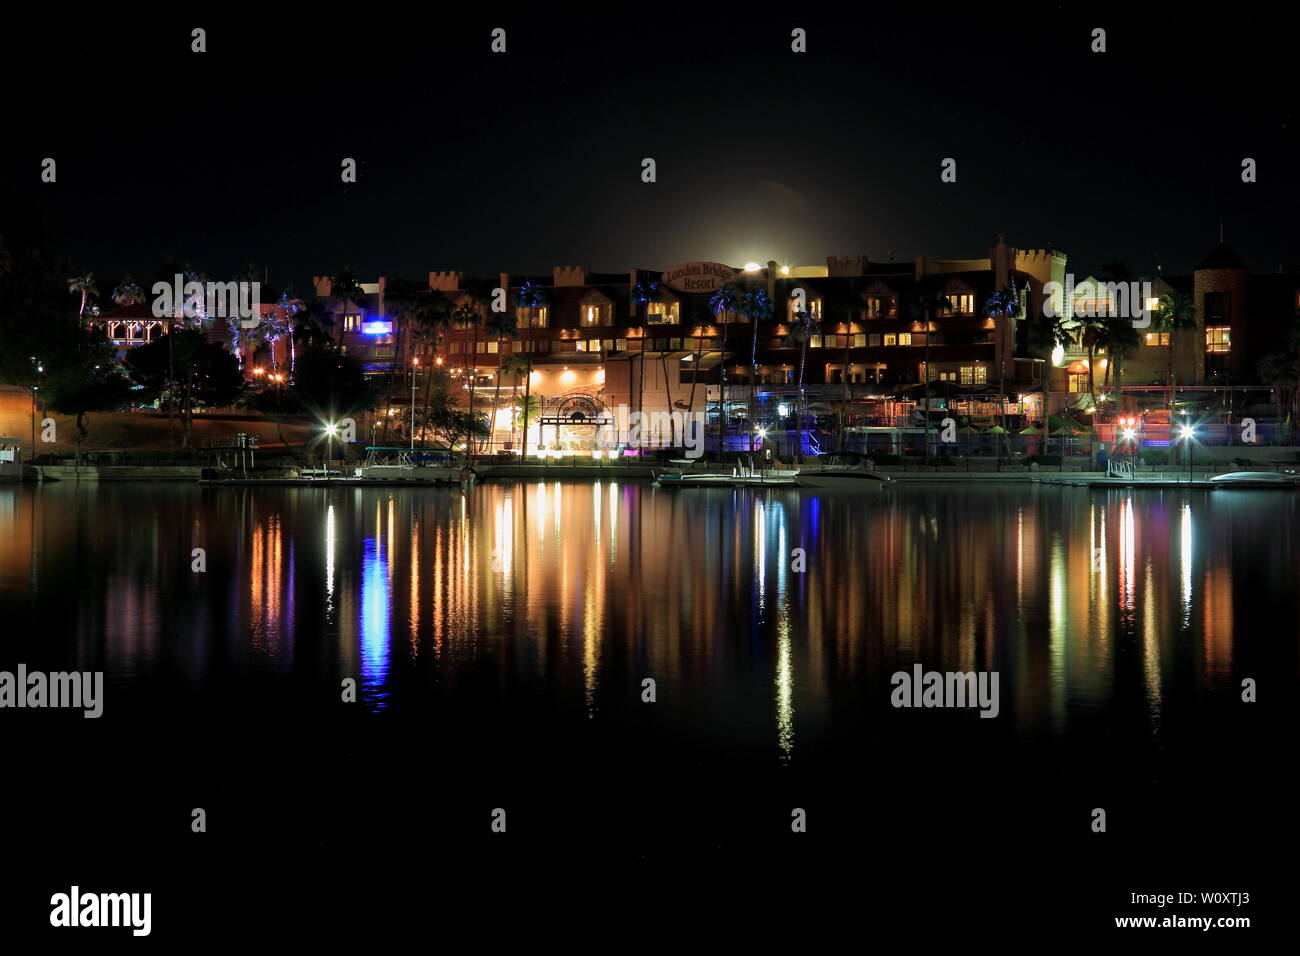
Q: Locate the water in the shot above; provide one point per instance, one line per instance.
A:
(500, 642)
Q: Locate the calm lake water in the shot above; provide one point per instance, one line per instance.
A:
(500, 642)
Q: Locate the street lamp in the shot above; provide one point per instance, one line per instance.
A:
(331, 430)
(1188, 433)
(415, 364)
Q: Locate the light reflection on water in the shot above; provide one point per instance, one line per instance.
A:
(572, 593)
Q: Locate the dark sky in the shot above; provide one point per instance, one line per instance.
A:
(531, 159)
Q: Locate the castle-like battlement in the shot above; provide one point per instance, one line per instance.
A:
(846, 265)
(569, 275)
(446, 281)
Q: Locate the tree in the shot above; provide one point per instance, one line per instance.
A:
(921, 302)
(757, 307)
(206, 374)
(845, 300)
(1281, 371)
(1176, 315)
(518, 365)
(330, 385)
(86, 380)
(501, 326)
(725, 305)
(345, 288)
(801, 329)
(530, 297)
(1121, 340)
(86, 288)
(1004, 304)
(313, 324)
(127, 292)
(643, 293)
(277, 402)
(468, 315)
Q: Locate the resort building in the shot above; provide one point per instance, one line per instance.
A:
(853, 339)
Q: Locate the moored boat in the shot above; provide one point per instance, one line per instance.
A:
(842, 470)
(1256, 479)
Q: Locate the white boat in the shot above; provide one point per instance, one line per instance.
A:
(1256, 479)
(11, 460)
(843, 470)
(742, 477)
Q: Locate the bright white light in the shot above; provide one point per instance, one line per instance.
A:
(783, 410)
(785, 270)
(1187, 431)
(1129, 434)
(331, 429)
(752, 267)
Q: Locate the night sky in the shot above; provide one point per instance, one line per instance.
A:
(522, 161)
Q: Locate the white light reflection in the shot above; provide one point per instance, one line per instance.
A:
(329, 563)
(1185, 540)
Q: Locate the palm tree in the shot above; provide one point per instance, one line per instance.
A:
(1004, 304)
(429, 323)
(530, 297)
(695, 367)
(85, 286)
(644, 293)
(921, 302)
(1177, 314)
(725, 301)
(469, 315)
(518, 365)
(1121, 340)
(757, 307)
(127, 292)
(501, 326)
(313, 323)
(1281, 370)
(801, 328)
(845, 300)
(345, 288)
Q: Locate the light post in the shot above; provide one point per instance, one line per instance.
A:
(415, 364)
(38, 368)
(330, 430)
(1189, 436)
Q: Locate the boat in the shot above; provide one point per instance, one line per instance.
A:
(11, 460)
(742, 477)
(1256, 479)
(841, 470)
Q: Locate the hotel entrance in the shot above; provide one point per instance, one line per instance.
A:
(569, 427)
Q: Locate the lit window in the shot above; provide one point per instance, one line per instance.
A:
(967, 375)
(981, 375)
(962, 303)
(536, 318)
(814, 341)
(878, 306)
(860, 341)
(594, 314)
(904, 338)
(662, 313)
(1218, 339)
(874, 340)
(891, 338)
(1157, 338)
(351, 323)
